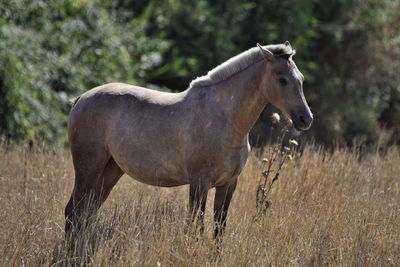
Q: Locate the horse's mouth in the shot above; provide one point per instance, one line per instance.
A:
(300, 129)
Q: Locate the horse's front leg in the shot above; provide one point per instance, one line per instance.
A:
(223, 197)
(197, 203)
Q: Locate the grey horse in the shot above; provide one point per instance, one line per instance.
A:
(197, 137)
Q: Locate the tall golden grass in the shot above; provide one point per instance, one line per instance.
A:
(340, 207)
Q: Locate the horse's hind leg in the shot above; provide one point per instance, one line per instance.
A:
(110, 176)
(90, 191)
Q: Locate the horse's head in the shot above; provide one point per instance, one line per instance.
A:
(283, 85)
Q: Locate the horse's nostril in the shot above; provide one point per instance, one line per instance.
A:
(302, 120)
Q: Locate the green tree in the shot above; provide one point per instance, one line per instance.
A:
(357, 55)
(54, 50)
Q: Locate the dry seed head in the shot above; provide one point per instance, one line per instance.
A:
(286, 149)
(265, 160)
(275, 118)
(293, 143)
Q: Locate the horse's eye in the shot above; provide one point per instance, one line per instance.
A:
(282, 81)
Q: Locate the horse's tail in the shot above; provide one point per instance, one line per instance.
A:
(73, 101)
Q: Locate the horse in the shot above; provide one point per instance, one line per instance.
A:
(197, 137)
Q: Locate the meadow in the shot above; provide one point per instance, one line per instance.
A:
(339, 207)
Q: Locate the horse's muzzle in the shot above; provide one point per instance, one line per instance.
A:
(302, 120)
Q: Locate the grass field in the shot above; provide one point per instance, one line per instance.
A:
(339, 208)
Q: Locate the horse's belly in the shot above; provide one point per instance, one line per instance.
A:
(154, 173)
(157, 180)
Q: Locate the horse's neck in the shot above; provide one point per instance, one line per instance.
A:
(249, 103)
(241, 100)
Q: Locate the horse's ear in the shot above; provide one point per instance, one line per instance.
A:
(288, 44)
(266, 53)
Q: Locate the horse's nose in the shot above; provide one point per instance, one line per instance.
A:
(302, 120)
(306, 120)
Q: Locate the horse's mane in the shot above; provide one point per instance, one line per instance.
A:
(239, 63)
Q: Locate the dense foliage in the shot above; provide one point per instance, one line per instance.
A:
(51, 51)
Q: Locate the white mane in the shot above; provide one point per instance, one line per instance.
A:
(239, 63)
(229, 67)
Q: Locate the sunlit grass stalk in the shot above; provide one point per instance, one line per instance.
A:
(270, 175)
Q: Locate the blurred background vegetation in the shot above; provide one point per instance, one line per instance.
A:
(51, 51)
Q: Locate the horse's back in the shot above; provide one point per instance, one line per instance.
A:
(110, 102)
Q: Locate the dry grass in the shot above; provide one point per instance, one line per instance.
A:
(337, 208)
